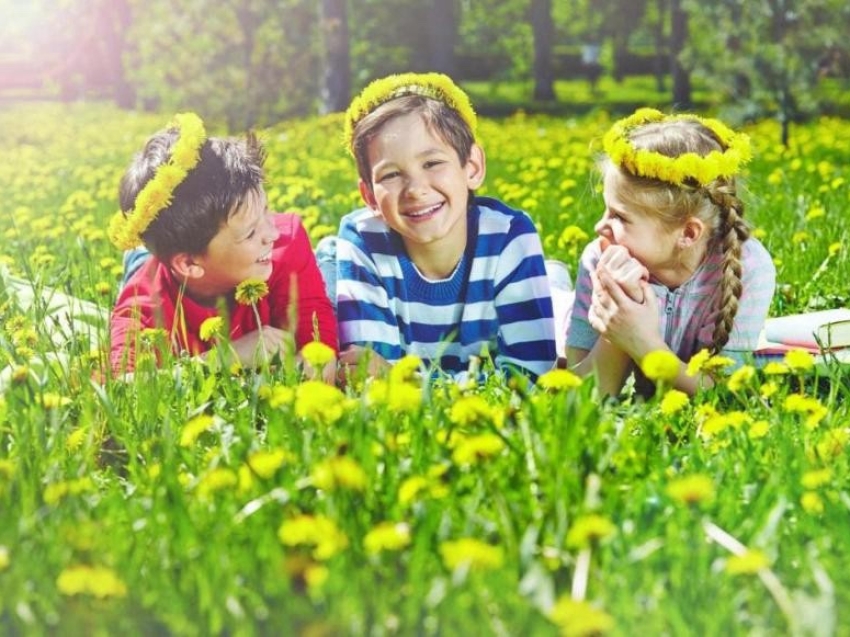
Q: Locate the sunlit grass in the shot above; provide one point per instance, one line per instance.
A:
(199, 501)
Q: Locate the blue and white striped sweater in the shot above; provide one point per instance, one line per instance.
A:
(497, 300)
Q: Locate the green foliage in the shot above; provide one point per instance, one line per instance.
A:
(168, 503)
(763, 56)
(241, 63)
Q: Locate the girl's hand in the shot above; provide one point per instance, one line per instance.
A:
(627, 324)
(624, 269)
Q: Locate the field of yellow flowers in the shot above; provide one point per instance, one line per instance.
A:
(193, 501)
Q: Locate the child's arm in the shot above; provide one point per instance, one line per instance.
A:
(632, 327)
(366, 319)
(298, 275)
(523, 301)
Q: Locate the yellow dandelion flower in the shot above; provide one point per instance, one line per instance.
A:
(758, 429)
(96, 581)
(817, 478)
(215, 480)
(277, 395)
(469, 410)
(775, 368)
(692, 489)
(832, 445)
(339, 472)
(741, 377)
(194, 428)
(661, 366)
(799, 360)
(318, 532)
(834, 248)
(265, 463)
(749, 562)
(317, 354)
(559, 380)
(673, 402)
(768, 390)
(211, 328)
(75, 439)
(411, 488)
(811, 503)
(718, 362)
(473, 449)
(588, 530)
(387, 536)
(315, 400)
(4, 558)
(52, 400)
(407, 369)
(471, 553)
(580, 618)
(250, 291)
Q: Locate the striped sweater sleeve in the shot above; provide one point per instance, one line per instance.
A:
(523, 299)
(363, 304)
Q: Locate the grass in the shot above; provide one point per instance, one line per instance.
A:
(195, 501)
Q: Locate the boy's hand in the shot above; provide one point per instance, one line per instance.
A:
(624, 269)
(349, 363)
(267, 342)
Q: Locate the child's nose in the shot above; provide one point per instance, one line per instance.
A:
(271, 230)
(415, 186)
(601, 227)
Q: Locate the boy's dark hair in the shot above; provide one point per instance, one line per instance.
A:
(228, 172)
(439, 118)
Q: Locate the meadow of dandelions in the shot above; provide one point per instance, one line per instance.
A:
(202, 498)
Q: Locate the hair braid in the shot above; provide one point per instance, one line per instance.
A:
(732, 233)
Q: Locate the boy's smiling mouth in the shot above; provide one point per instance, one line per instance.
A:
(267, 257)
(423, 213)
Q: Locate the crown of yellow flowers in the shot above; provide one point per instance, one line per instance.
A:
(686, 167)
(125, 229)
(432, 85)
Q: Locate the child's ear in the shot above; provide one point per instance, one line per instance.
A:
(368, 195)
(691, 232)
(476, 167)
(184, 266)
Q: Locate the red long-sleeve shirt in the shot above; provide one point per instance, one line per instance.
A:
(149, 300)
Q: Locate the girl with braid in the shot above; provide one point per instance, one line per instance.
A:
(674, 266)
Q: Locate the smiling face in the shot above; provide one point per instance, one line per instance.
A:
(420, 187)
(241, 250)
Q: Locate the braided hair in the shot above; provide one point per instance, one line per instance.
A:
(716, 204)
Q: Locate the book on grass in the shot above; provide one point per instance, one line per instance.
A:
(823, 329)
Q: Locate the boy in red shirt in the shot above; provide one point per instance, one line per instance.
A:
(199, 206)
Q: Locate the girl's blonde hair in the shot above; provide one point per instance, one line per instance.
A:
(716, 204)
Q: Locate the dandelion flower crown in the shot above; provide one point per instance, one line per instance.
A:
(687, 167)
(126, 228)
(433, 85)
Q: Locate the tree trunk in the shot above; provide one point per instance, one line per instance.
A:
(119, 19)
(336, 76)
(442, 33)
(678, 39)
(658, 64)
(541, 25)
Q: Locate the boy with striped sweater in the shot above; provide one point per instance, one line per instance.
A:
(428, 269)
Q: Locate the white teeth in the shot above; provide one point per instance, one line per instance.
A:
(426, 211)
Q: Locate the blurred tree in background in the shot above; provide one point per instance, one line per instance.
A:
(253, 62)
(767, 56)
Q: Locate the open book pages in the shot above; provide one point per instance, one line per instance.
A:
(823, 329)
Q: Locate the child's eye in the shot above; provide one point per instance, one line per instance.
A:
(388, 176)
(432, 163)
